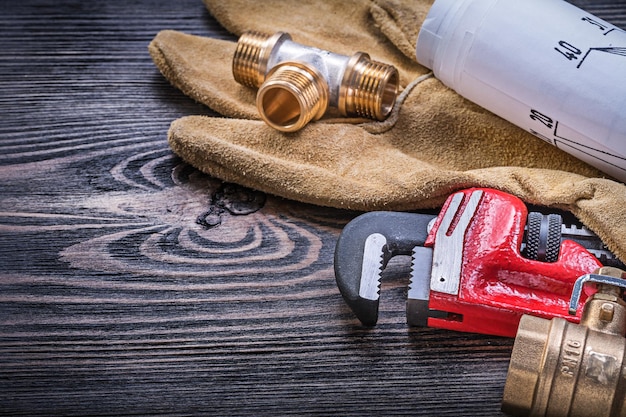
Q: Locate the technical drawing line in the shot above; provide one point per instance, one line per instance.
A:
(591, 152)
(556, 128)
(617, 29)
(566, 144)
(615, 50)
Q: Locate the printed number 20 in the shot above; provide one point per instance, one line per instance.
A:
(568, 50)
(540, 117)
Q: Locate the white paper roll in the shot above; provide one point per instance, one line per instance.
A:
(544, 65)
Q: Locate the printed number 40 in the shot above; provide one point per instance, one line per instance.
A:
(568, 50)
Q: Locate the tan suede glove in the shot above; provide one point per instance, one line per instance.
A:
(434, 142)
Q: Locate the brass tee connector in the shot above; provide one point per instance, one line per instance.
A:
(299, 83)
(559, 368)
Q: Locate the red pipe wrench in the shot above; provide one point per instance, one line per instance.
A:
(477, 266)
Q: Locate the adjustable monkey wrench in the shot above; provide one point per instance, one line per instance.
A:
(477, 266)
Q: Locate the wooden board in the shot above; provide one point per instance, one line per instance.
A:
(133, 284)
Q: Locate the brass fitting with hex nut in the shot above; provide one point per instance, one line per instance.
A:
(299, 83)
(559, 368)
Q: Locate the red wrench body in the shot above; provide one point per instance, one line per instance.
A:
(497, 285)
(468, 272)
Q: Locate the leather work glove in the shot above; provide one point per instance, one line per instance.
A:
(434, 142)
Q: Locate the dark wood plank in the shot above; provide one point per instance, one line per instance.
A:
(133, 284)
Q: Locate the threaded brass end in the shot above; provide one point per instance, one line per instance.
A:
(292, 95)
(368, 89)
(251, 56)
(297, 83)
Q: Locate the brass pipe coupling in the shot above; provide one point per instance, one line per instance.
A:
(564, 369)
(299, 83)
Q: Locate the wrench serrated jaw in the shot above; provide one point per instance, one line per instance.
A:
(590, 241)
(419, 287)
(372, 267)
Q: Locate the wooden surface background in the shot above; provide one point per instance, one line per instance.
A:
(133, 284)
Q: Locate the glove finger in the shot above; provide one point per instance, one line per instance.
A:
(342, 27)
(352, 169)
(400, 21)
(201, 68)
(337, 165)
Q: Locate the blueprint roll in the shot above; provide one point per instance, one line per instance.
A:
(544, 65)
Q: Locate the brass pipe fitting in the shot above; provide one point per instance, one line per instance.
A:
(559, 368)
(299, 83)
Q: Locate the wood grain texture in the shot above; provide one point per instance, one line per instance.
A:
(133, 284)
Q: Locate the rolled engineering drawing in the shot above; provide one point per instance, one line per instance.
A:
(546, 66)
